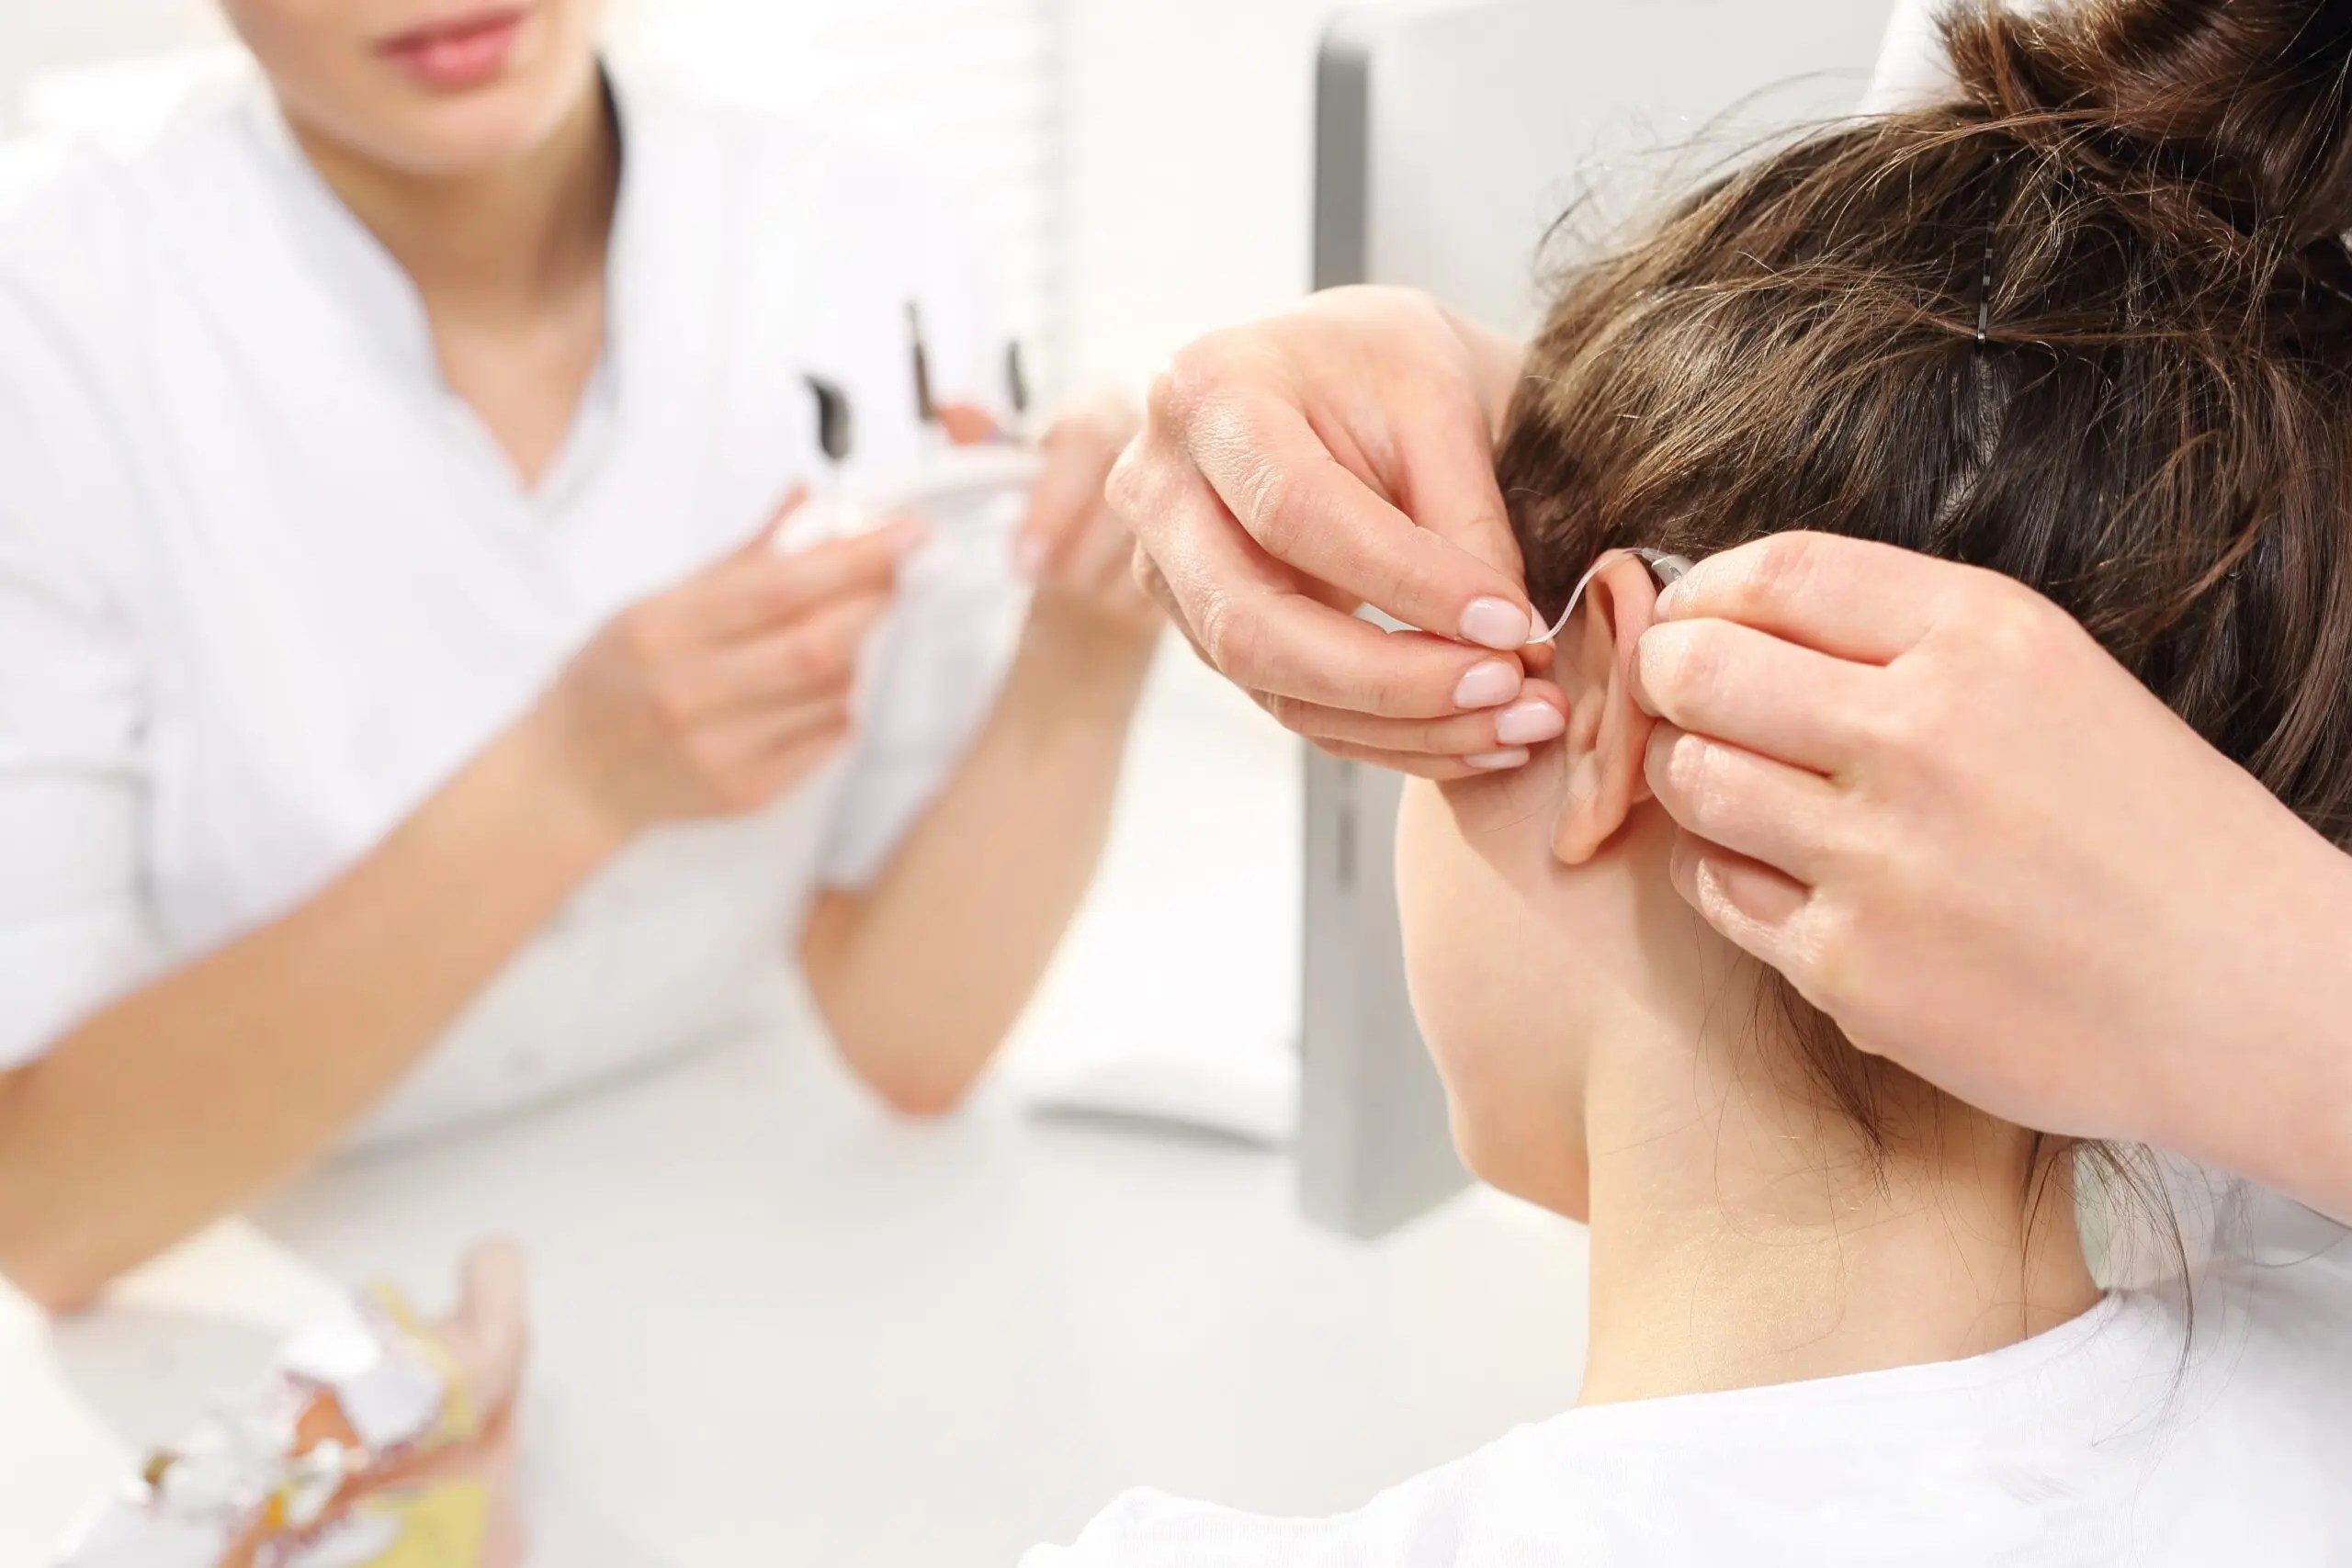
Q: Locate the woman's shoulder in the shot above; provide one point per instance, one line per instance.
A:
(87, 224)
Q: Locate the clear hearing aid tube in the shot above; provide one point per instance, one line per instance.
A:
(1665, 569)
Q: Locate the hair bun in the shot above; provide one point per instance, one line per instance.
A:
(2246, 98)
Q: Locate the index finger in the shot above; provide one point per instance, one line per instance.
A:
(748, 594)
(1307, 510)
(1853, 598)
(1277, 642)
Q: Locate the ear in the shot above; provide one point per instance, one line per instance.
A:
(1608, 732)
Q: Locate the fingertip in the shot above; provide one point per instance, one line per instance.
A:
(1489, 684)
(1498, 624)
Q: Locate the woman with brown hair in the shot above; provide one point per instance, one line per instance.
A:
(2194, 996)
(2085, 325)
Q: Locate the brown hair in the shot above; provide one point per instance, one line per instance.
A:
(2144, 415)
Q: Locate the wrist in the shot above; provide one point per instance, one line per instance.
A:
(558, 792)
(1089, 644)
(2264, 1088)
(1083, 665)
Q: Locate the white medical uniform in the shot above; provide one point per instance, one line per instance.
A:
(265, 581)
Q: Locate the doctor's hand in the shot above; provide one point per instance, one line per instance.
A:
(716, 697)
(1337, 456)
(1076, 550)
(1926, 795)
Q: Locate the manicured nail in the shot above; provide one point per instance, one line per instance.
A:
(1667, 597)
(1496, 623)
(1029, 560)
(1529, 724)
(1489, 684)
(1496, 762)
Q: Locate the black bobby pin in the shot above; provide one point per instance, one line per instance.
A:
(1984, 269)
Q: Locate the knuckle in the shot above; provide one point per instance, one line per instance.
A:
(835, 663)
(1289, 712)
(1692, 773)
(1127, 491)
(1824, 957)
(674, 707)
(1388, 693)
(1232, 634)
(1684, 666)
(1777, 570)
(640, 632)
(1194, 380)
(2013, 625)
(1146, 574)
(1893, 733)
(1273, 510)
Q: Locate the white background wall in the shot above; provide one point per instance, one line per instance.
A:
(1189, 169)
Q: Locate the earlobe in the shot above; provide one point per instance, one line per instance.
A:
(1608, 732)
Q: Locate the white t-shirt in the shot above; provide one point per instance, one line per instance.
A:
(265, 581)
(2116, 1438)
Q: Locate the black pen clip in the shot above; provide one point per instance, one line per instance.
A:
(832, 418)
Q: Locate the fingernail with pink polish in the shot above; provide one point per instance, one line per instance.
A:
(1529, 724)
(1489, 684)
(1497, 761)
(1494, 623)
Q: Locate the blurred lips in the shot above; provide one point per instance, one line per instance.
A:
(465, 52)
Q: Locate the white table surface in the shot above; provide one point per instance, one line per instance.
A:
(775, 1325)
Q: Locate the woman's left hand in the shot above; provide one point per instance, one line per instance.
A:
(1077, 551)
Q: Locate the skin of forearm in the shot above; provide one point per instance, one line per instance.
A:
(186, 1099)
(2267, 1092)
(923, 976)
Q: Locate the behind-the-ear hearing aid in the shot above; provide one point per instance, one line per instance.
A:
(1667, 570)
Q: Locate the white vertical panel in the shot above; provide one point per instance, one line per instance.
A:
(973, 87)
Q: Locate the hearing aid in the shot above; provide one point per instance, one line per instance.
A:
(1665, 569)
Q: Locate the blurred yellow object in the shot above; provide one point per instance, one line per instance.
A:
(442, 1526)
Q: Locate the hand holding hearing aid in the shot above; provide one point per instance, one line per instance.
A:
(1926, 795)
(1337, 456)
(715, 697)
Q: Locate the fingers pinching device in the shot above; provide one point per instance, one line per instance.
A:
(303, 1472)
(1666, 569)
(972, 486)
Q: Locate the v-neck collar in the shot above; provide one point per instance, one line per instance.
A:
(384, 304)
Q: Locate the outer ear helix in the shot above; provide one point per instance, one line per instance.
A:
(1666, 569)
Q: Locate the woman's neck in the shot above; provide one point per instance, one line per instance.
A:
(1745, 1233)
(503, 240)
